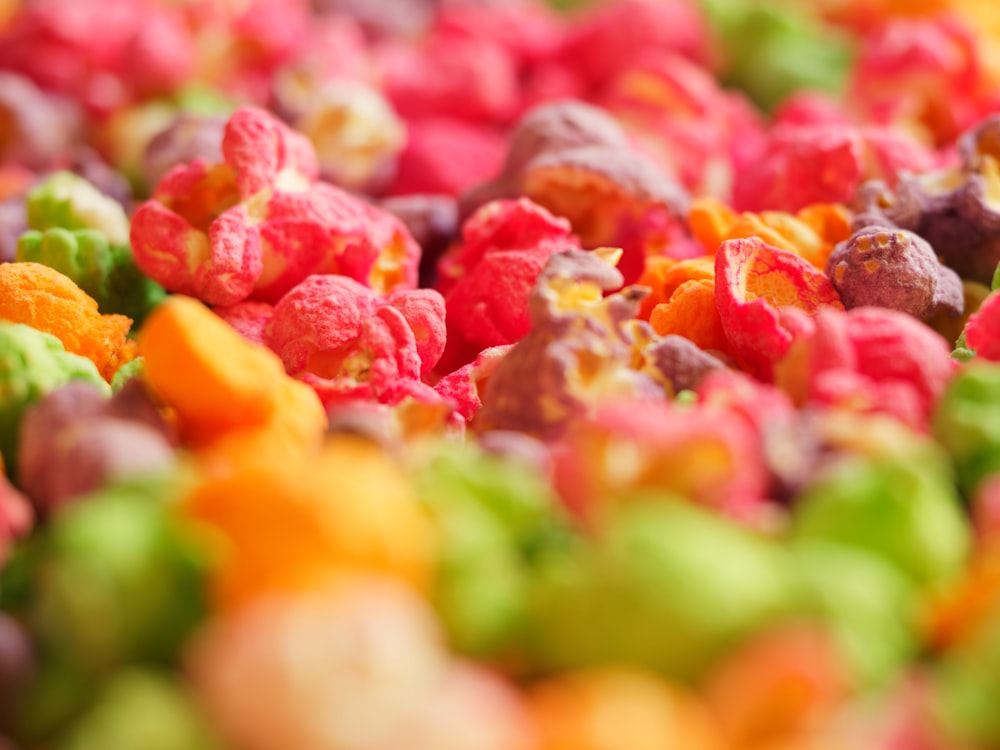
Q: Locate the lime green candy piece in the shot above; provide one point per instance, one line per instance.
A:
(772, 50)
(966, 688)
(105, 271)
(32, 364)
(668, 586)
(870, 607)
(492, 514)
(139, 709)
(967, 422)
(905, 510)
(117, 578)
(69, 201)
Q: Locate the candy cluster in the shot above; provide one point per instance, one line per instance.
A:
(458, 375)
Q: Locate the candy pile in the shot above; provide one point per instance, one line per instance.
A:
(462, 375)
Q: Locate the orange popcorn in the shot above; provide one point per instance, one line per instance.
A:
(682, 301)
(299, 524)
(810, 233)
(229, 395)
(43, 298)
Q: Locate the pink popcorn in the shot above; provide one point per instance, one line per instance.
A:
(349, 342)
(869, 359)
(257, 224)
(264, 154)
(487, 280)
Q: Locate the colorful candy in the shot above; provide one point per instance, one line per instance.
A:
(499, 376)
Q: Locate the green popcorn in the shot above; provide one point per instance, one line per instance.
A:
(904, 509)
(55, 695)
(774, 50)
(492, 515)
(117, 578)
(871, 608)
(105, 271)
(139, 710)
(966, 688)
(668, 586)
(67, 200)
(134, 368)
(32, 364)
(966, 422)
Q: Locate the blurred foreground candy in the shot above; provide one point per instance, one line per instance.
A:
(906, 511)
(360, 665)
(665, 585)
(291, 523)
(628, 709)
(140, 709)
(231, 396)
(33, 363)
(492, 514)
(964, 423)
(868, 359)
(76, 440)
(116, 578)
(709, 457)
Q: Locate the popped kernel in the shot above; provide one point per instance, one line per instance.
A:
(894, 268)
(43, 298)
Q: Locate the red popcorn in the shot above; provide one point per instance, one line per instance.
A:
(823, 163)
(349, 342)
(447, 155)
(682, 117)
(487, 280)
(250, 319)
(869, 359)
(104, 59)
(613, 36)
(464, 386)
(530, 32)
(921, 74)
(754, 284)
(257, 224)
(708, 456)
(464, 78)
(16, 516)
(982, 332)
